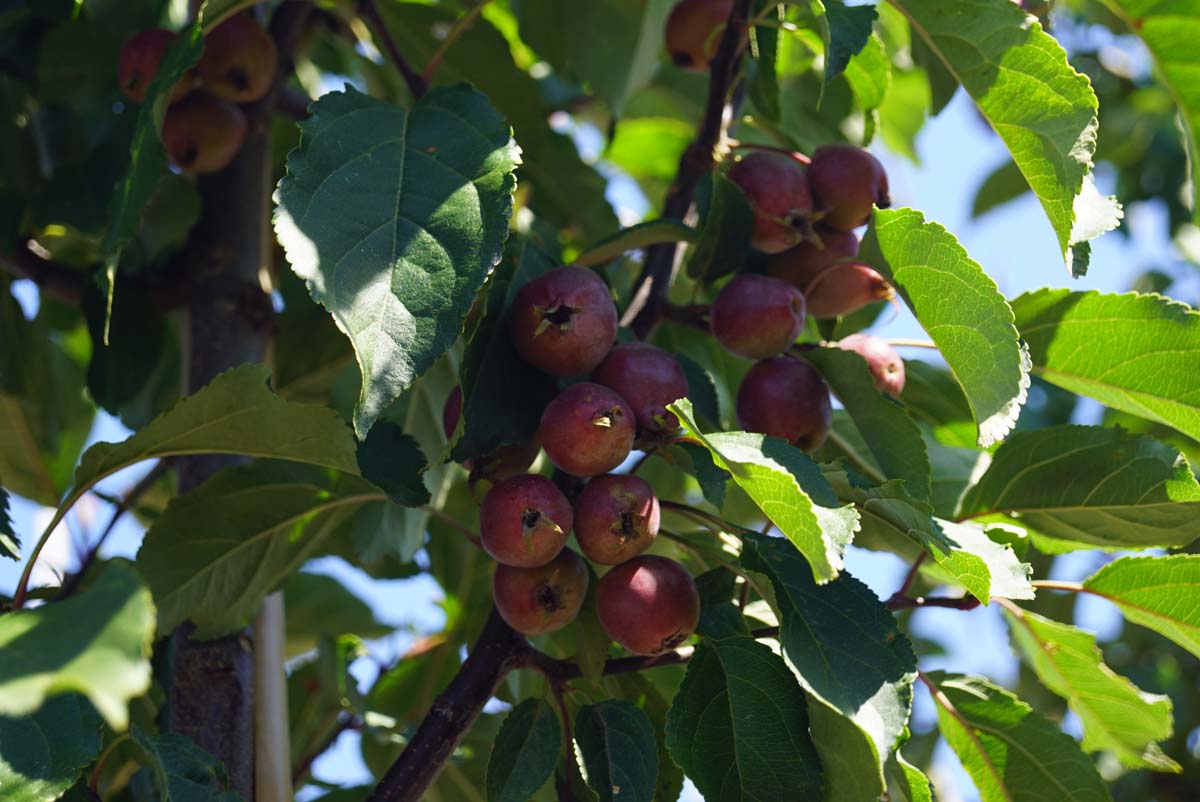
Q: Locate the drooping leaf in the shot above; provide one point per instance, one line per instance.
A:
(1155, 592)
(849, 655)
(1012, 752)
(1136, 353)
(784, 484)
(975, 333)
(728, 223)
(890, 433)
(392, 461)
(1044, 110)
(10, 545)
(617, 742)
(394, 217)
(96, 643)
(182, 771)
(1093, 486)
(869, 74)
(1169, 28)
(846, 30)
(636, 237)
(215, 552)
(907, 780)
(43, 753)
(1117, 716)
(762, 71)
(147, 158)
(317, 605)
(503, 395)
(1002, 185)
(738, 725)
(525, 752)
(651, 700)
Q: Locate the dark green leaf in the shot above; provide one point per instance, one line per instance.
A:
(215, 552)
(942, 83)
(975, 334)
(123, 366)
(738, 725)
(1117, 715)
(712, 480)
(394, 217)
(43, 753)
(887, 429)
(1044, 110)
(182, 771)
(96, 643)
(702, 390)
(1002, 185)
(525, 752)
(933, 396)
(1013, 753)
(1136, 353)
(1155, 592)
(1094, 486)
(619, 751)
(503, 395)
(846, 29)
(869, 74)
(10, 544)
(392, 461)
(634, 238)
(381, 529)
(317, 605)
(728, 223)
(762, 80)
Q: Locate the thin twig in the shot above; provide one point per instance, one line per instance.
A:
(64, 283)
(899, 602)
(852, 455)
(901, 342)
(369, 12)
(911, 576)
(453, 524)
(564, 790)
(737, 144)
(1052, 584)
(459, 28)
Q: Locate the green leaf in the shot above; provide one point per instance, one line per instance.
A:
(648, 696)
(738, 725)
(712, 480)
(908, 781)
(783, 483)
(932, 395)
(1136, 353)
(215, 552)
(642, 235)
(392, 461)
(1044, 110)
(728, 223)
(762, 73)
(617, 742)
(394, 217)
(147, 158)
(317, 605)
(1013, 753)
(503, 395)
(1155, 592)
(42, 754)
(890, 434)
(524, 753)
(1089, 485)
(382, 529)
(1170, 28)
(849, 759)
(1117, 716)
(702, 389)
(975, 334)
(869, 73)
(122, 366)
(96, 643)
(1002, 185)
(846, 30)
(10, 545)
(182, 771)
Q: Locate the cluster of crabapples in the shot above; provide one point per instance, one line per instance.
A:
(204, 127)
(564, 323)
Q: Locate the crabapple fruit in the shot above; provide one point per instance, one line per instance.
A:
(786, 398)
(141, 55)
(649, 604)
(587, 429)
(524, 521)
(564, 321)
(202, 133)
(694, 30)
(757, 316)
(616, 518)
(239, 60)
(847, 182)
(845, 288)
(777, 187)
(543, 598)
(886, 366)
(648, 378)
(800, 265)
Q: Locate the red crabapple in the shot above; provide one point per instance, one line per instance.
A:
(587, 429)
(786, 398)
(757, 316)
(564, 321)
(524, 521)
(616, 518)
(649, 604)
(544, 598)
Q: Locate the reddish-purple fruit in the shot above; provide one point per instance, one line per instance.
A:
(141, 55)
(524, 521)
(564, 321)
(587, 429)
(788, 399)
(544, 598)
(845, 288)
(777, 187)
(847, 182)
(239, 60)
(616, 518)
(203, 133)
(887, 368)
(504, 462)
(694, 31)
(757, 316)
(800, 265)
(648, 378)
(649, 604)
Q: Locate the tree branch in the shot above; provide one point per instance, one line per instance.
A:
(64, 283)
(369, 12)
(650, 291)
